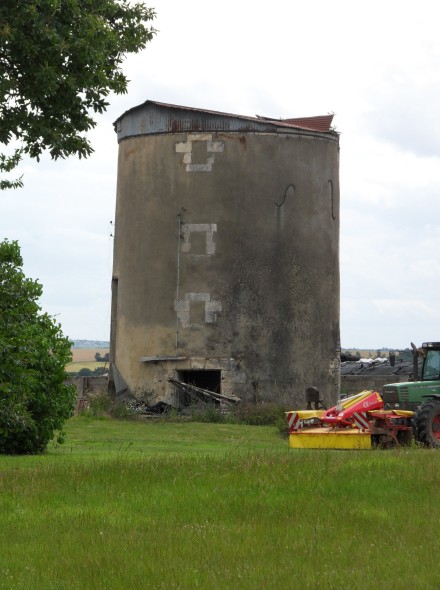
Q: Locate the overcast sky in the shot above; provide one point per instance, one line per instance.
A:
(375, 64)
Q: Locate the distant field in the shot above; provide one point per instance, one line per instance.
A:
(87, 354)
(74, 367)
(84, 358)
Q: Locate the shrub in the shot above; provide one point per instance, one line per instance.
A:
(99, 404)
(210, 413)
(34, 400)
(102, 405)
(262, 414)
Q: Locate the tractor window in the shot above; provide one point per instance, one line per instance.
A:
(431, 366)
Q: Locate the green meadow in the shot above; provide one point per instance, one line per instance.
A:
(74, 367)
(184, 505)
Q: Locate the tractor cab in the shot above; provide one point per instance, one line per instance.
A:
(430, 352)
(411, 395)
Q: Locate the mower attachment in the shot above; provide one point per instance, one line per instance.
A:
(356, 422)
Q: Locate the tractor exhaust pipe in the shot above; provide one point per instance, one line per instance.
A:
(415, 362)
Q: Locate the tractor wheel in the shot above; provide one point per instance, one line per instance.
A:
(427, 421)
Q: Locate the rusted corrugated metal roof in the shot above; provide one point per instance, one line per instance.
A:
(153, 117)
(319, 123)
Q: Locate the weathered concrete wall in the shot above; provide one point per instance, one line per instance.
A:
(226, 254)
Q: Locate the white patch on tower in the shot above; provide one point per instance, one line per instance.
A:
(212, 147)
(183, 308)
(207, 228)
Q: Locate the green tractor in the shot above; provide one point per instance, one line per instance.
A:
(421, 395)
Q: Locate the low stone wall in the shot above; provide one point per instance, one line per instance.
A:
(85, 387)
(351, 384)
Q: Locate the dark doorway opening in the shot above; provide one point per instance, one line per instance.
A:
(205, 379)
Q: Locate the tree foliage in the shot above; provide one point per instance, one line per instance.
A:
(34, 400)
(59, 61)
(102, 359)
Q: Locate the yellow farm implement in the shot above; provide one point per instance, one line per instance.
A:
(356, 422)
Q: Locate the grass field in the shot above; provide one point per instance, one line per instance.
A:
(133, 505)
(84, 358)
(74, 367)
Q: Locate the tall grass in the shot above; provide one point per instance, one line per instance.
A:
(160, 505)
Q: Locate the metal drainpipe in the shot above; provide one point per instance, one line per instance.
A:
(179, 224)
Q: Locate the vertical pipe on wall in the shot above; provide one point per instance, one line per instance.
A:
(179, 224)
(332, 200)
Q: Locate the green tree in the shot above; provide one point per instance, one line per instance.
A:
(34, 399)
(102, 359)
(59, 61)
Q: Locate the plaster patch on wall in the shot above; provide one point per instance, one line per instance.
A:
(199, 137)
(183, 308)
(183, 147)
(208, 228)
(334, 366)
(212, 147)
(201, 167)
